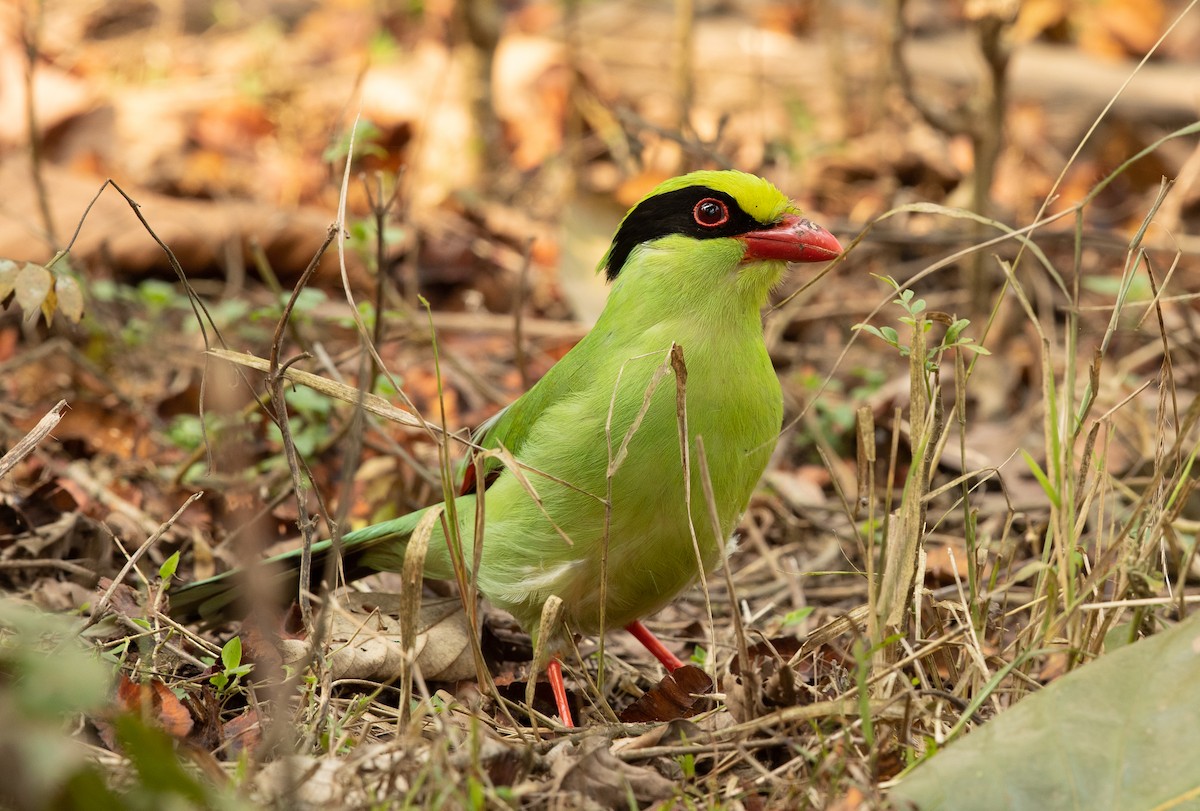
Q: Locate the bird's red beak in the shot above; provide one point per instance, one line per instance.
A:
(792, 239)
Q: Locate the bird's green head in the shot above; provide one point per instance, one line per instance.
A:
(745, 217)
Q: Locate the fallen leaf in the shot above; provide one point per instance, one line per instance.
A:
(242, 733)
(680, 694)
(304, 782)
(365, 639)
(1120, 732)
(116, 432)
(531, 88)
(589, 770)
(260, 647)
(944, 562)
(123, 600)
(154, 702)
(742, 704)
(780, 647)
(1120, 28)
(677, 731)
(172, 715)
(8, 340)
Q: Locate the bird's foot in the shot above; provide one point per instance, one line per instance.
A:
(555, 675)
(642, 634)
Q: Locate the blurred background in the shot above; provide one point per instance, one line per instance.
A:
(506, 121)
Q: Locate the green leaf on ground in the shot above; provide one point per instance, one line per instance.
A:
(1119, 733)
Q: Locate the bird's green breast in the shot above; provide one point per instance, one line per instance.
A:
(634, 504)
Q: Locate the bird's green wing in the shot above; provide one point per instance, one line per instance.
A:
(509, 427)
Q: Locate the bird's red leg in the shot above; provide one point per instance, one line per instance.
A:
(554, 674)
(642, 634)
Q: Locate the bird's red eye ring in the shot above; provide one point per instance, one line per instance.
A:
(710, 213)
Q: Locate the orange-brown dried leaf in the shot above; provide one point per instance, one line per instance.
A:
(130, 694)
(260, 647)
(531, 97)
(944, 562)
(1037, 17)
(155, 702)
(242, 733)
(170, 712)
(680, 694)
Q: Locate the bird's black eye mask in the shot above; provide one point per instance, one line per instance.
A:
(696, 211)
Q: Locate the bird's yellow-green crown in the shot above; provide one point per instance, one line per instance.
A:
(757, 196)
(752, 203)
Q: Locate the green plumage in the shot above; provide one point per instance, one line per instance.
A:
(683, 287)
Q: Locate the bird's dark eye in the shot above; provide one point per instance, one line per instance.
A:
(710, 213)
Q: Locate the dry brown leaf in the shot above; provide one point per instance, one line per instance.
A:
(303, 782)
(674, 732)
(680, 694)
(242, 733)
(58, 596)
(777, 677)
(155, 702)
(801, 488)
(123, 600)
(365, 639)
(742, 704)
(590, 771)
(172, 714)
(1110, 28)
(108, 431)
(944, 562)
